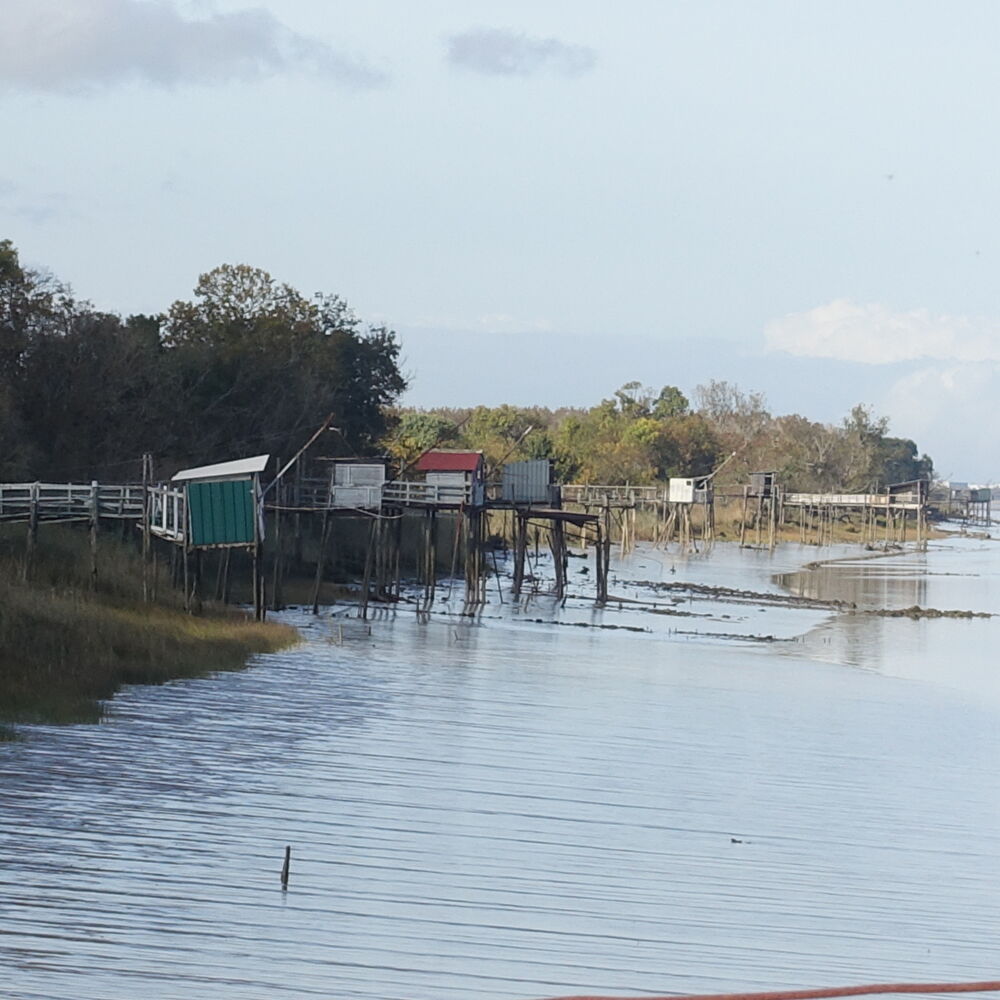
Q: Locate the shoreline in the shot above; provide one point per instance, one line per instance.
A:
(67, 645)
(83, 646)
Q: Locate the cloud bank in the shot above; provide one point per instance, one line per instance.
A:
(501, 52)
(74, 45)
(873, 334)
(489, 323)
(943, 373)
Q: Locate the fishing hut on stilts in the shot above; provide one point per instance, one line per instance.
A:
(880, 518)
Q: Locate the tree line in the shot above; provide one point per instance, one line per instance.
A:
(250, 365)
(247, 366)
(642, 436)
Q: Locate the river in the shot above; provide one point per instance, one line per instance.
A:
(508, 808)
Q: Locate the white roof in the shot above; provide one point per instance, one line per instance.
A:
(242, 468)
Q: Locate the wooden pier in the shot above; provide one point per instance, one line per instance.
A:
(451, 514)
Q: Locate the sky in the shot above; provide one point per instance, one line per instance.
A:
(547, 199)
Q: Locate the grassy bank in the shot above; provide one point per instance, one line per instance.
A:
(66, 645)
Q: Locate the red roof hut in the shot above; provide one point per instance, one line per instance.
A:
(462, 473)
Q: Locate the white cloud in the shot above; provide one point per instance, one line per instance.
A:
(874, 334)
(502, 52)
(951, 411)
(74, 45)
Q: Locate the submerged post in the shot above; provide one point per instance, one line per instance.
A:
(285, 867)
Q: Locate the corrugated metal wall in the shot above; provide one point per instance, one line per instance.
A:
(221, 513)
(348, 474)
(527, 482)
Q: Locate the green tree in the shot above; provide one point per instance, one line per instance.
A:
(416, 432)
(258, 366)
(671, 402)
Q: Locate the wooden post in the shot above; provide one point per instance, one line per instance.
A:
(606, 544)
(378, 558)
(367, 578)
(257, 552)
(297, 519)
(196, 584)
(603, 548)
(147, 475)
(277, 567)
(427, 570)
(222, 577)
(475, 579)
(32, 539)
(557, 545)
(431, 555)
(471, 564)
(321, 559)
(520, 551)
(94, 513)
(743, 519)
(397, 588)
(258, 582)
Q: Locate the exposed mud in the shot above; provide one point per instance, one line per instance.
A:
(916, 613)
(739, 636)
(733, 595)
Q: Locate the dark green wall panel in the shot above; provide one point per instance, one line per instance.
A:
(221, 513)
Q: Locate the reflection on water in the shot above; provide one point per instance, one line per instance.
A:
(881, 582)
(505, 809)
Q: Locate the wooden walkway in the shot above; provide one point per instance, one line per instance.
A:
(61, 502)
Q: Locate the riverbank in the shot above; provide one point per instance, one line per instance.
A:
(67, 645)
(497, 807)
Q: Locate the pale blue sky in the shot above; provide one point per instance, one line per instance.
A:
(546, 199)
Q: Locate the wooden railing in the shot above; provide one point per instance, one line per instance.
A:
(422, 494)
(900, 501)
(596, 494)
(70, 501)
(167, 513)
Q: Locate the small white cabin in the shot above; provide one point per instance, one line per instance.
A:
(681, 491)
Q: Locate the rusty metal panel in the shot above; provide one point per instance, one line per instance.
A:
(527, 482)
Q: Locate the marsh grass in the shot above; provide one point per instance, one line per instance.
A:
(66, 646)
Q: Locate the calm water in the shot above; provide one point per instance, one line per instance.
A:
(514, 809)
